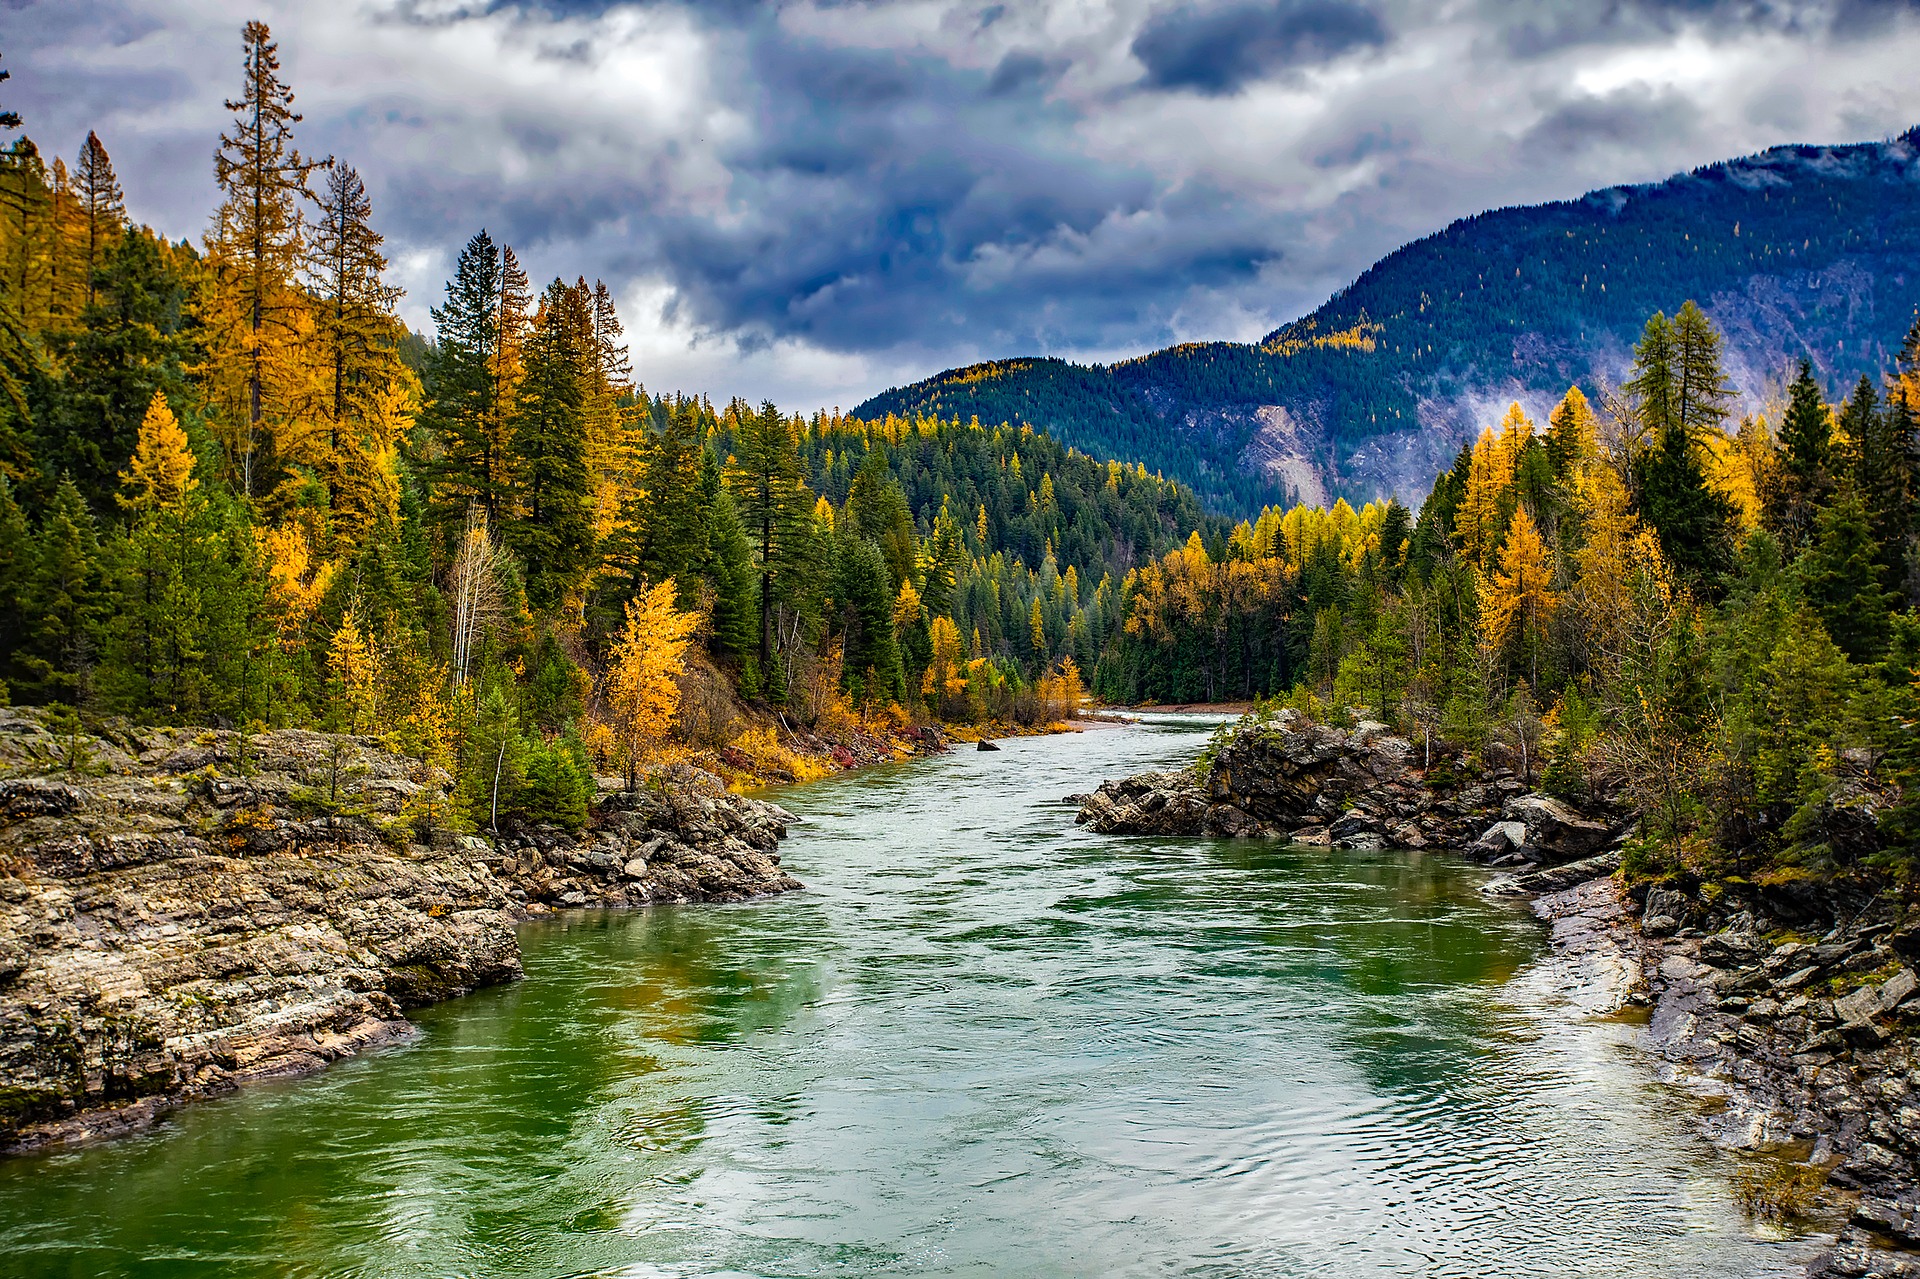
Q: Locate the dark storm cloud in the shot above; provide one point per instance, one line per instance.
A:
(1631, 118)
(1218, 49)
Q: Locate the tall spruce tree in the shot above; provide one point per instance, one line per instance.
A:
(1805, 477)
(550, 531)
(1842, 578)
(101, 204)
(1680, 395)
(769, 486)
(462, 401)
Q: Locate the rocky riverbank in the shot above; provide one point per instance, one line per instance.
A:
(192, 910)
(1790, 1010)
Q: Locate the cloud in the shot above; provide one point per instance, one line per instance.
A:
(1216, 50)
(811, 199)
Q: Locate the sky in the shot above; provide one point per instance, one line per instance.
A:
(812, 201)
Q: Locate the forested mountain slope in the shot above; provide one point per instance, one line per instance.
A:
(1798, 250)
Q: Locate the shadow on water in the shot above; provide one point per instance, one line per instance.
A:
(983, 1042)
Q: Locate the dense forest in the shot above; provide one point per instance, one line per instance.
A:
(235, 490)
(1795, 251)
(1637, 606)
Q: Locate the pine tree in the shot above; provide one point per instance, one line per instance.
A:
(550, 531)
(1701, 392)
(1884, 474)
(871, 669)
(462, 402)
(129, 345)
(16, 581)
(160, 474)
(880, 513)
(255, 249)
(65, 605)
(101, 204)
(1804, 481)
(768, 485)
(357, 326)
(1842, 579)
(1680, 395)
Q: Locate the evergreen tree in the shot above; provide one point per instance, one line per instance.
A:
(65, 605)
(770, 489)
(101, 204)
(462, 404)
(550, 533)
(129, 345)
(880, 514)
(357, 327)
(1694, 522)
(728, 566)
(1842, 579)
(871, 667)
(1884, 474)
(1805, 478)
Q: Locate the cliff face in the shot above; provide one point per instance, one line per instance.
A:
(191, 912)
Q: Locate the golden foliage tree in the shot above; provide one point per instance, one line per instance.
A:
(256, 318)
(161, 473)
(1521, 597)
(642, 693)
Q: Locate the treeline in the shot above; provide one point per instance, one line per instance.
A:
(237, 491)
(1636, 606)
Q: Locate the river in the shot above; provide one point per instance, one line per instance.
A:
(983, 1043)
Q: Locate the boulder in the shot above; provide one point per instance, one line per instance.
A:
(1498, 840)
(1555, 831)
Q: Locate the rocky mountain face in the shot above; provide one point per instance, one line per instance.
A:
(191, 910)
(1796, 251)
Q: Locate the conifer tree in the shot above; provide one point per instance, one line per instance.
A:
(256, 249)
(462, 403)
(1884, 474)
(1842, 578)
(356, 329)
(129, 344)
(65, 603)
(1806, 474)
(1571, 435)
(1680, 395)
(767, 483)
(101, 204)
(550, 531)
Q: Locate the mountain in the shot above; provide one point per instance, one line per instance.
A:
(1798, 250)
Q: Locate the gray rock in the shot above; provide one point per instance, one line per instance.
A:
(1860, 1006)
(1555, 831)
(1499, 839)
(1897, 988)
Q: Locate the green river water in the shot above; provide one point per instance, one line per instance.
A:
(982, 1043)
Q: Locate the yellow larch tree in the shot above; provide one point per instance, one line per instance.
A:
(356, 671)
(642, 691)
(160, 475)
(1521, 598)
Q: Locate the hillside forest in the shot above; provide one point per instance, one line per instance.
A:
(237, 491)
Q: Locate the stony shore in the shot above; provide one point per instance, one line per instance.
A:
(192, 911)
(1792, 1020)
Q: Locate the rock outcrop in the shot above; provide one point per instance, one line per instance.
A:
(1278, 776)
(191, 911)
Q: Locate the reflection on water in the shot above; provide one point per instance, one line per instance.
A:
(985, 1043)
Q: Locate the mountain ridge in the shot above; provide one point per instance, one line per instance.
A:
(1797, 249)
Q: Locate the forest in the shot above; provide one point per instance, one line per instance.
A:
(237, 491)
(1714, 628)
